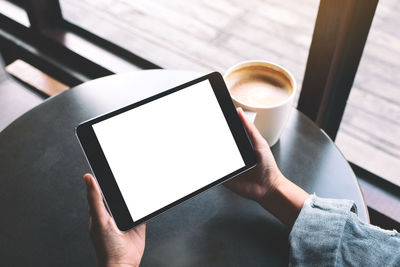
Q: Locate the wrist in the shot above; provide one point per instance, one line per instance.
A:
(284, 200)
(274, 184)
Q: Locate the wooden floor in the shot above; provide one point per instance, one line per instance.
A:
(213, 35)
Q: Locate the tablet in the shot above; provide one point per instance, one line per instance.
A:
(154, 154)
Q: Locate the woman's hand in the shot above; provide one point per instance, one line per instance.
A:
(260, 181)
(113, 247)
(265, 182)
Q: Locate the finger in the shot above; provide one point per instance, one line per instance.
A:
(256, 138)
(230, 184)
(97, 209)
(141, 230)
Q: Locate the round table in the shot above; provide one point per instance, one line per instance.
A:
(43, 202)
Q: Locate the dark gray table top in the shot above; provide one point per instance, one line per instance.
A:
(44, 218)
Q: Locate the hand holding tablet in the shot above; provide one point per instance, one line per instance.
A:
(154, 154)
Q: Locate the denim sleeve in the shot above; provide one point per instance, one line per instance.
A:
(328, 232)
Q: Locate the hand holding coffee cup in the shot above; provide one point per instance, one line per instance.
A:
(265, 91)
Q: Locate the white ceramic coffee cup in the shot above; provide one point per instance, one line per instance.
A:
(270, 120)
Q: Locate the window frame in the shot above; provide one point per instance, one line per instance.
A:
(338, 41)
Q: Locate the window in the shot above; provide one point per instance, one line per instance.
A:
(203, 35)
(369, 134)
(14, 10)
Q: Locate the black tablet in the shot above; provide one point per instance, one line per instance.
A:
(156, 153)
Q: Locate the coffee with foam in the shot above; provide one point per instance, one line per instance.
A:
(259, 86)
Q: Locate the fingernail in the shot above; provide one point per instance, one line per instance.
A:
(87, 180)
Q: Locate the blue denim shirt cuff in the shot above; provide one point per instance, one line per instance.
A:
(318, 230)
(327, 232)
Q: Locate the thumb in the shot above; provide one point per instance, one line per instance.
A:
(255, 137)
(97, 210)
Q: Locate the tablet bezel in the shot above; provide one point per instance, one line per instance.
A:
(104, 176)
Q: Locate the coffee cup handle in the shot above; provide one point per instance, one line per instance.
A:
(251, 115)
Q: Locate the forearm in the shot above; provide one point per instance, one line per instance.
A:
(285, 201)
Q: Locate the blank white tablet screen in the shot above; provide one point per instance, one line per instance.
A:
(168, 148)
